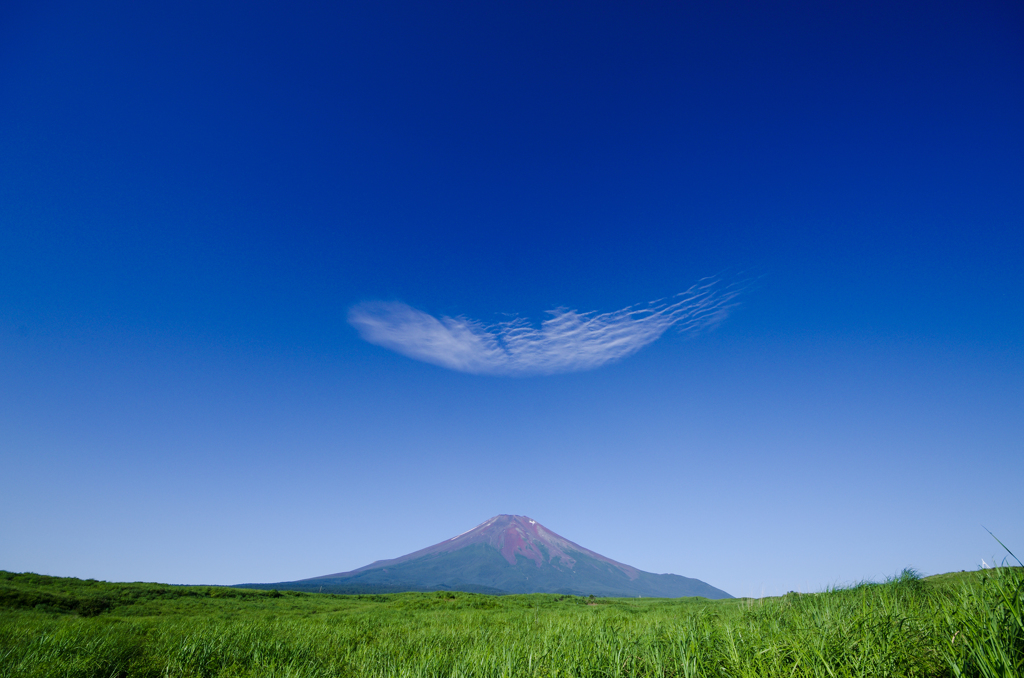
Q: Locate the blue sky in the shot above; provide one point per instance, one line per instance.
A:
(273, 279)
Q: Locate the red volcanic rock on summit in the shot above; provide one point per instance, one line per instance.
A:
(506, 554)
(510, 535)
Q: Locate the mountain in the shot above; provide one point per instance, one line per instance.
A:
(506, 554)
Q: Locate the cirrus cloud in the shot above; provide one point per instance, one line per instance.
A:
(567, 341)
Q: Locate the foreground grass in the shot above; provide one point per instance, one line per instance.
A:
(967, 625)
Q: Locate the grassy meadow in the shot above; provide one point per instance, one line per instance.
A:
(969, 624)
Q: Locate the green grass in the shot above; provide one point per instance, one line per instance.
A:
(954, 625)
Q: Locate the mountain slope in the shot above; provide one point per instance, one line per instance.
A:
(506, 554)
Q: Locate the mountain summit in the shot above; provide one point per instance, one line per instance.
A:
(506, 554)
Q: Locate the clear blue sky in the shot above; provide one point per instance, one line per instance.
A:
(225, 229)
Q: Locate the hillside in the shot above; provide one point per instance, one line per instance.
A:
(52, 626)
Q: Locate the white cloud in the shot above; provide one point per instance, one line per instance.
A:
(568, 341)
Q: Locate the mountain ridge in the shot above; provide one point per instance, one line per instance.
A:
(486, 531)
(505, 554)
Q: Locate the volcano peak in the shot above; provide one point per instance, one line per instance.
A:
(506, 554)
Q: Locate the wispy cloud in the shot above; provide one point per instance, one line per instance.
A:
(567, 341)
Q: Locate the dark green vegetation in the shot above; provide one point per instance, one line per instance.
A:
(955, 625)
(480, 568)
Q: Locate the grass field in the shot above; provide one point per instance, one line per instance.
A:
(969, 624)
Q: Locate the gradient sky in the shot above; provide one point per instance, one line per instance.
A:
(205, 208)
